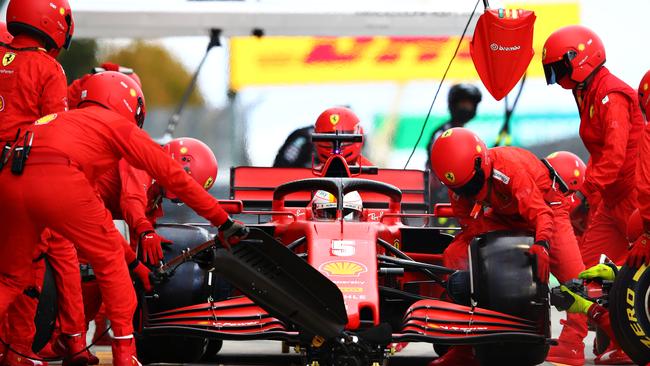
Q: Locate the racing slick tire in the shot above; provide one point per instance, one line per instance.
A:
(503, 281)
(629, 312)
(189, 285)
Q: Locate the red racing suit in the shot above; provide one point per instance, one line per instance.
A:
(520, 195)
(643, 178)
(32, 84)
(610, 127)
(72, 150)
(62, 256)
(125, 198)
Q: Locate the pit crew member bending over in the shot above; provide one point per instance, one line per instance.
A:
(505, 188)
(138, 198)
(72, 149)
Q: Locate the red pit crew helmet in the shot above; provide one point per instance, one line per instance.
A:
(570, 168)
(50, 20)
(117, 92)
(459, 159)
(571, 54)
(344, 121)
(644, 94)
(197, 159)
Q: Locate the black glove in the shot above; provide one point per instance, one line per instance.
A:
(232, 231)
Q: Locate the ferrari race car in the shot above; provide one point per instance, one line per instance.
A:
(343, 291)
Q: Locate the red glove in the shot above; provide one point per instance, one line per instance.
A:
(579, 205)
(640, 252)
(539, 253)
(150, 247)
(232, 231)
(142, 273)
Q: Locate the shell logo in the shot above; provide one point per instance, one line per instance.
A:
(334, 119)
(576, 173)
(343, 268)
(447, 133)
(450, 177)
(581, 47)
(183, 150)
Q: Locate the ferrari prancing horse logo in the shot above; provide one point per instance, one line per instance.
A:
(8, 58)
(450, 177)
(334, 119)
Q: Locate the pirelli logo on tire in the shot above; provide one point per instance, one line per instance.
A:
(632, 316)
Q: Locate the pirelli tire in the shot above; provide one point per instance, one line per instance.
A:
(503, 281)
(629, 312)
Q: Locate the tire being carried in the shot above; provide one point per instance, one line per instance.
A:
(629, 312)
(503, 281)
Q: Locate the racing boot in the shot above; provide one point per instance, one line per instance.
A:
(614, 355)
(570, 349)
(92, 359)
(21, 356)
(124, 353)
(72, 348)
(457, 355)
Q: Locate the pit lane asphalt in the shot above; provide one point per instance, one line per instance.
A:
(253, 353)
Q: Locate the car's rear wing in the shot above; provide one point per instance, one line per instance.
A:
(254, 186)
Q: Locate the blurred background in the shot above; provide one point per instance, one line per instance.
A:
(256, 87)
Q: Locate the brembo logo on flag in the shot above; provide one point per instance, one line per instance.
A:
(495, 47)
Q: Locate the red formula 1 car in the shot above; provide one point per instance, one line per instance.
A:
(343, 291)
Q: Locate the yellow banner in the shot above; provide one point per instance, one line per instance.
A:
(304, 60)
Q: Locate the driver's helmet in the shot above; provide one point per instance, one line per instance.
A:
(323, 206)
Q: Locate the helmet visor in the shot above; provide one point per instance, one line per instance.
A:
(557, 70)
(324, 210)
(325, 213)
(351, 214)
(474, 186)
(68, 33)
